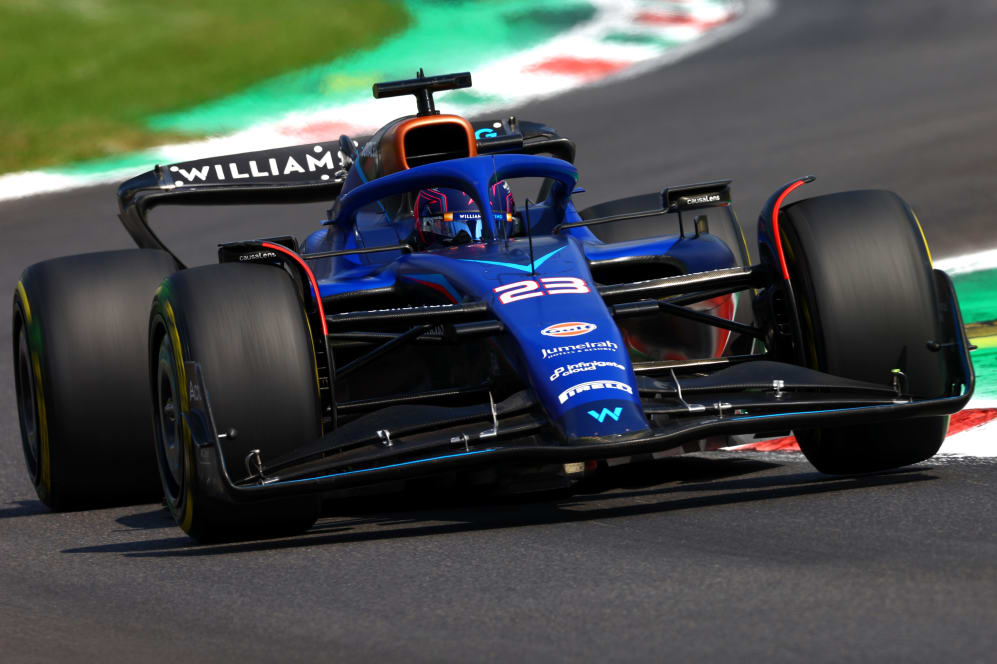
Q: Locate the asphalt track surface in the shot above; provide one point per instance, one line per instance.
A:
(737, 557)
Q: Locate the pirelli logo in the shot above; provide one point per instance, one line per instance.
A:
(594, 385)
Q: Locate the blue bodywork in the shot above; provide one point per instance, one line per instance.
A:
(530, 345)
(585, 382)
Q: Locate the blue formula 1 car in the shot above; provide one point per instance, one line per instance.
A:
(457, 319)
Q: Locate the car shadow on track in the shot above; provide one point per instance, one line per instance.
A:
(24, 508)
(683, 483)
(154, 519)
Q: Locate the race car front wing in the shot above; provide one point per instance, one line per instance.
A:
(748, 395)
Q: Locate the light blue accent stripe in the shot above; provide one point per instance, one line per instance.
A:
(393, 465)
(524, 268)
(834, 410)
(516, 266)
(615, 414)
(543, 259)
(493, 449)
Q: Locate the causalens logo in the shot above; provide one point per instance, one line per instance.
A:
(594, 385)
(574, 329)
(615, 414)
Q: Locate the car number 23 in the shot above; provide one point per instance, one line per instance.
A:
(521, 290)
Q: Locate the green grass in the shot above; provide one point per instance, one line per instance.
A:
(80, 76)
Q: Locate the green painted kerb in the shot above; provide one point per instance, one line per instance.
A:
(978, 300)
(985, 364)
(640, 38)
(977, 295)
(444, 36)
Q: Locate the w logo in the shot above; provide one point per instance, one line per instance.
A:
(615, 414)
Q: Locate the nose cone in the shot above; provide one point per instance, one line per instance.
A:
(602, 417)
(568, 347)
(588, 387)
(573, 355)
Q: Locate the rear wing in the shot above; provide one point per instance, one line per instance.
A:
(298, 174)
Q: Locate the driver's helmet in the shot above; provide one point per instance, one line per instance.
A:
(450, 216)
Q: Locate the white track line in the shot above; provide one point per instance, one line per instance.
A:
(981, 260)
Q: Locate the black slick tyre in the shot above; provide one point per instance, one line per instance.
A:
(80, 330)
(862, 279)
(246, 327)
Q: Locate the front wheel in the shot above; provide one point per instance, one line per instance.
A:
(865, 293)
(246, 327)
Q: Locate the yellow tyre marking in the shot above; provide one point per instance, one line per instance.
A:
(188, 512)
(177, 355)
(44, 448)
(24, 301)
(923, 239)
(46, 453)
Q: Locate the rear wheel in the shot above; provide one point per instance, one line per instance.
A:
(246, 327)
(80, 334)
(866, 296)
